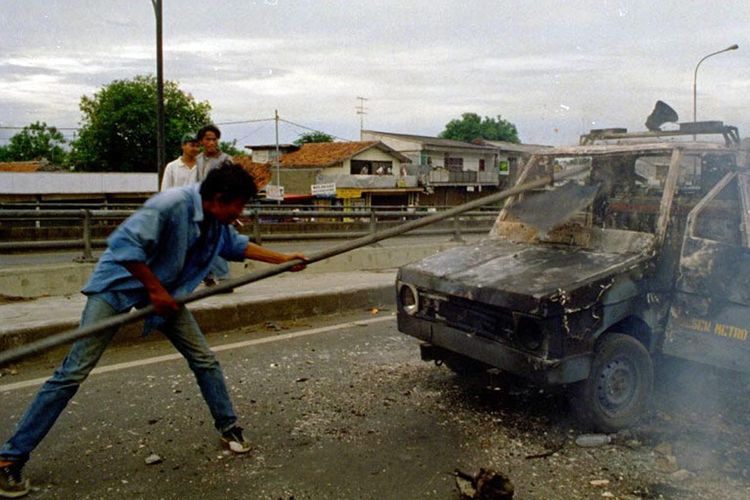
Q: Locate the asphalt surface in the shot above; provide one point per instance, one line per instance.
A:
(341, 407)
(308, 441)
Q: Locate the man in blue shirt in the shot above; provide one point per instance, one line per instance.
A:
(163, 250)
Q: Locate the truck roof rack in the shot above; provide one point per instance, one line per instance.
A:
(730, 133)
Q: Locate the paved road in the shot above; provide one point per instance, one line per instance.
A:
(319, 428)
(341, 407)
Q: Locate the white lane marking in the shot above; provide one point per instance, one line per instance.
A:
(218, 348)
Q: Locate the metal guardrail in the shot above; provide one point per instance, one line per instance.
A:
(257, 217)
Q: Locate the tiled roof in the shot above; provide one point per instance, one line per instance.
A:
(261, 172)
(20, 166)
(325, 154)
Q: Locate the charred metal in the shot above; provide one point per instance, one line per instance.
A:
(647, 251)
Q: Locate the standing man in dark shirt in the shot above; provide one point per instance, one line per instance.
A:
(209, 159)
(212, 156)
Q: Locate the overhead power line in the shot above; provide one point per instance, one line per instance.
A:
(247, 121)
(21, 128)
(313, 129)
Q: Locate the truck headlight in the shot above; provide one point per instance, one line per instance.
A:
(409, 298)
(529, 334)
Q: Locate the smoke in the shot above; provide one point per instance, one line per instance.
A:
(701, 418)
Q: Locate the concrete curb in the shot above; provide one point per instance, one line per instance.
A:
(226, 312)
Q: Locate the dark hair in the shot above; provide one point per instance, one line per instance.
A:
(230, 182)
(209, 128)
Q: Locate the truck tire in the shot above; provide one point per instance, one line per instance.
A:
(618, 391)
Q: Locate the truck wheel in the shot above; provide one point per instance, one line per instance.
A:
(618, 390)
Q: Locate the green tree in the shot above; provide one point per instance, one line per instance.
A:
(35, 142)
(314, 136)
(471, 126)
(119, 125)
(230, 148)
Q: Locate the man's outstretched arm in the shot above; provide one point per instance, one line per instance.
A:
(262, 254)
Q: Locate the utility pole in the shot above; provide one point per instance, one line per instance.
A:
(278, 173)
(160, 146)
(361, 111)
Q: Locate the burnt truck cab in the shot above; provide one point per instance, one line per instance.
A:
(583, 282)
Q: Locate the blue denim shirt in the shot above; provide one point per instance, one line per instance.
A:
(165, 234)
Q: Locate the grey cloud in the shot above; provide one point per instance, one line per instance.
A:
(551, 67)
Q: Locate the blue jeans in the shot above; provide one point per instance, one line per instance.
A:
(219, 269)
(181, 329)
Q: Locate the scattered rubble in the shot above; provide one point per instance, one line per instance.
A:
(487, 484)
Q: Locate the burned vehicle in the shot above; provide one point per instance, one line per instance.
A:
(584, 283)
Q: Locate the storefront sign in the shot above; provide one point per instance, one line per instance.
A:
(327, 189)
(275, 192)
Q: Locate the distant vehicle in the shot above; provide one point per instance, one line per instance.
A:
(584, 282)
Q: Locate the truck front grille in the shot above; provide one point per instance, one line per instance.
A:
(467, 315)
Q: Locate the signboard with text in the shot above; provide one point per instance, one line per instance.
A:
(348, 193)
(275, 192)
(326, 189)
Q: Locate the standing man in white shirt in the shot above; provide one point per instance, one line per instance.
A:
(184, 170)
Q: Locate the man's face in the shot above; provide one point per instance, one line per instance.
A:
(191, 149)
(224, 212)
(210, 143)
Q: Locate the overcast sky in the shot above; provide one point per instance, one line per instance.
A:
(553, 68)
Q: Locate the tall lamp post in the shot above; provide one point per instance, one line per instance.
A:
(695, 77)
(160, 145)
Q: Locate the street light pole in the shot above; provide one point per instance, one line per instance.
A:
(695, 77)
(160, 146)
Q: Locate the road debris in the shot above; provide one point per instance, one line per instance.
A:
(593, 440)
(681, 475)
(488, 484)
(153, 459)
(270, 325)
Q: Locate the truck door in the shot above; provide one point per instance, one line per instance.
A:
(710, 312)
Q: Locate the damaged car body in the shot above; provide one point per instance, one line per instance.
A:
(583, 282)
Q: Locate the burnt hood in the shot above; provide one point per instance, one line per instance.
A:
(518, 276)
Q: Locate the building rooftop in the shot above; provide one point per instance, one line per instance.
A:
(432, 141)
(20, 166)
(325, 154)
(513, 146)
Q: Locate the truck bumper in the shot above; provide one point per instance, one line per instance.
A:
(539, 369)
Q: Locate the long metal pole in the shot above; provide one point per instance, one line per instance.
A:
(160, 127)
(695, 78)
(116, 321)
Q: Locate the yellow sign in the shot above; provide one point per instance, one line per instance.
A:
(348, 193)
(720, 329)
